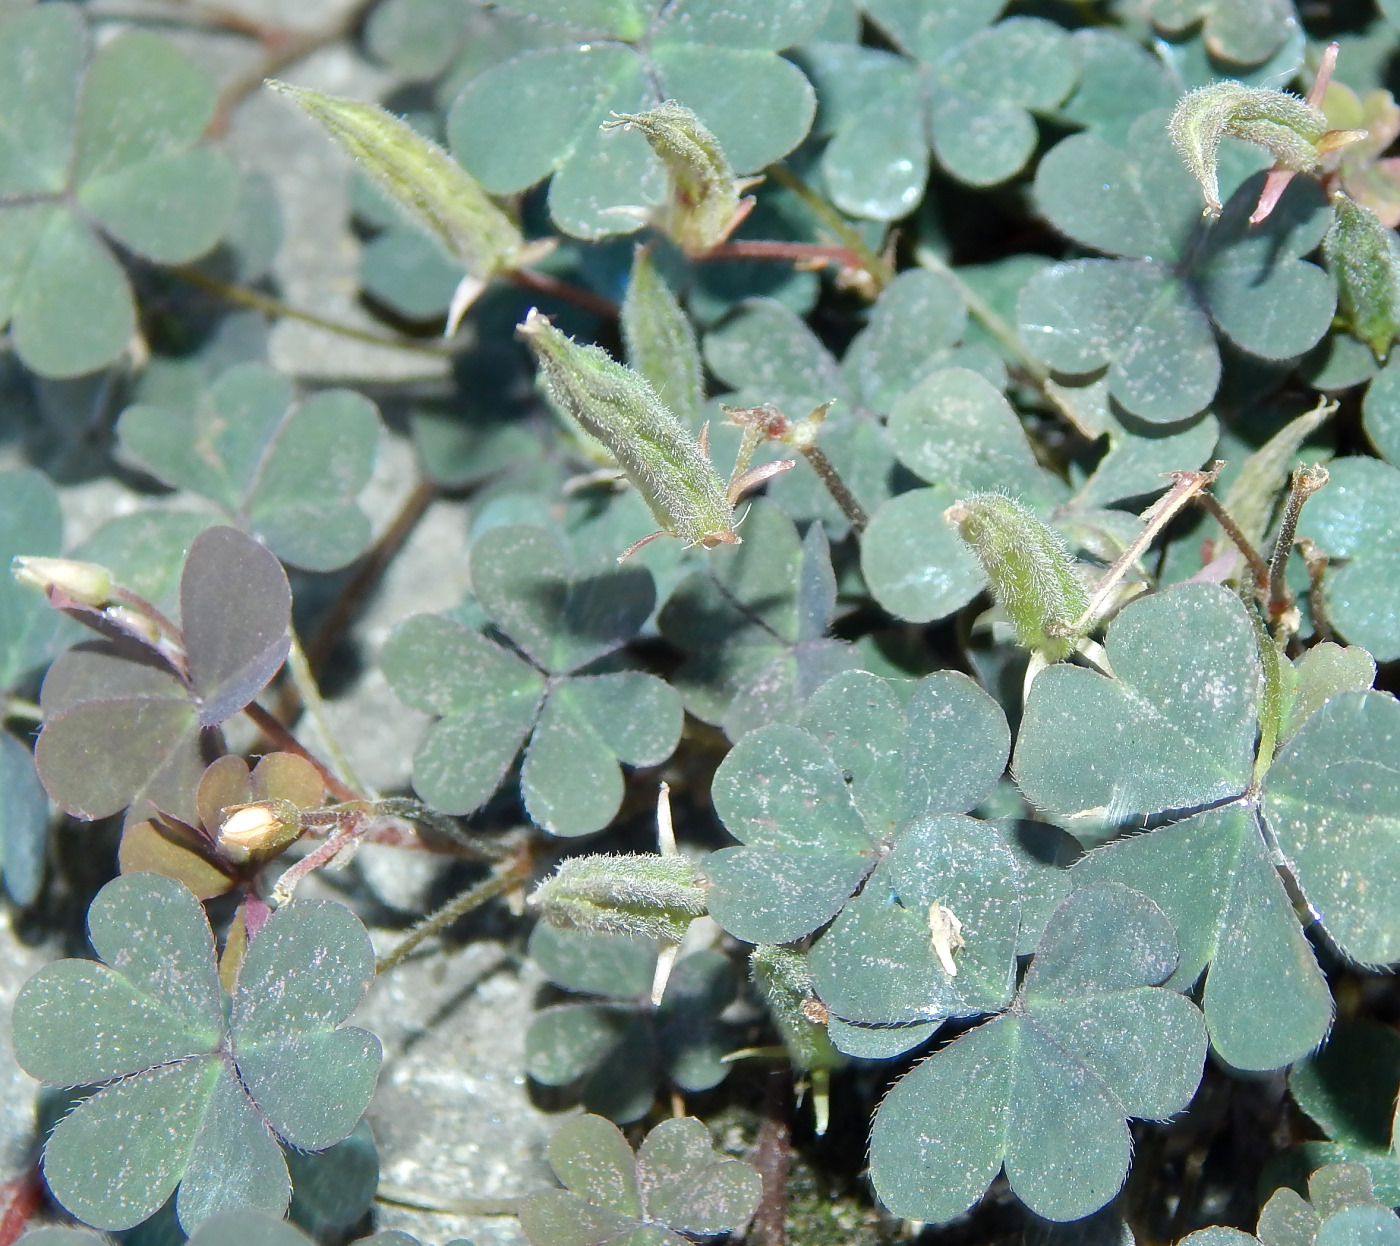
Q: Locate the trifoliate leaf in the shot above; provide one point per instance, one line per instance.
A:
(1046, 1088)
(810, 836)
(225, 1084)
(109, 148)
(1266, 1002)
(117, 701)
(675, 1185)
(287, 472)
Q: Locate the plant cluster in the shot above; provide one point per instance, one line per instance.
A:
(951, 452)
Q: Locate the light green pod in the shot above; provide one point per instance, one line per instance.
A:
(1288, 127)
(430, 187)
(1031, 571)
(704, 201)
(666, 465)
(1364, 258)
(640, 894)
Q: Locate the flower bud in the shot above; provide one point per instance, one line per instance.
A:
(1031, 572)
(85, 582)
(704, 201)
(257, 832)
(430, 187)
(616, 405)
(1288, 127)
(644, 894)
(1364, 258)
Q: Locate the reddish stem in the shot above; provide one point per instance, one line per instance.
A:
(285, 740)
(760, 249)
(19, 1200)
(542, 283)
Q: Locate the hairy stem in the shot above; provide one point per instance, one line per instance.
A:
(835, 486)
(1306, 481)
(28, 711)
(370, 568)
(244, 297)
(506, 878)
(1257, 566)
(988, 318)
(543, 283)
(399, 1196)
(1156, 517)
(1316, 562)
(773, 1158)
(878, 268)
(305, 683)
(283, 47)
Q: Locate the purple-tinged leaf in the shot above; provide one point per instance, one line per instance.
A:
(235, 606)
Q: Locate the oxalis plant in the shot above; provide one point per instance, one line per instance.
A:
(922, 713)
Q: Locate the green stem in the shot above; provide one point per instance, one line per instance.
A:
(18, 707)
(1257, 566)
(270, 306)
(502, 880)
(398, 1196)
(842, 228)
(311, 699)
(1306, 481)
(987, 317)
(835, 486)
(285, 740)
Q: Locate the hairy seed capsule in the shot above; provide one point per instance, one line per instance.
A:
(1290, 128)
(1031, 572)
(662, 460)
(639, 894)
(431, 188)
(704, 201)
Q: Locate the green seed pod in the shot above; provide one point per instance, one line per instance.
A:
(660, 340)
(704, 201)
(1364, 257)
(663, 461)
(785, 981)
(641, 894)
(84, 582)
(1288, 127)
(1031, 571)
(431, 188)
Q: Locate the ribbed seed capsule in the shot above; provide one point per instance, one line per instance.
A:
(704, 200)
(663, 461)
(640, 894)
(1031, 571)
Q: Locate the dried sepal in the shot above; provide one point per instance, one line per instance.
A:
(615, 405)
(1032, 575)
(639, 894)
(704, 203)
(1364, 258)
(430, 187)
(1291, 129)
